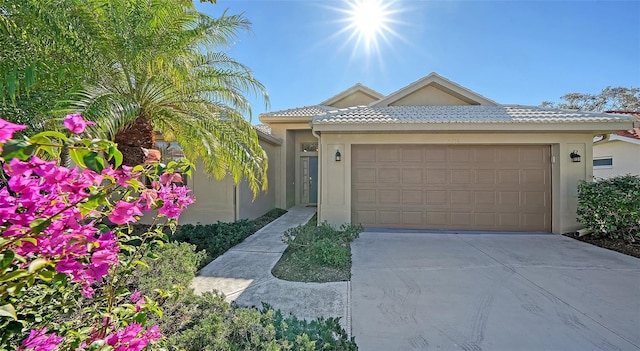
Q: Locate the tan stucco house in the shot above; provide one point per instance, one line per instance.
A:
(434, 155)
(617, 153)
(222, 200)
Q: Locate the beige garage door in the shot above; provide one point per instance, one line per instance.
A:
(466, 187)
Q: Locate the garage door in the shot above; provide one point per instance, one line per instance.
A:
(466, 187)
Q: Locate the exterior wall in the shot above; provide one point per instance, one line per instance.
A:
(355, 99)
(292, 135)
(214, 199)
(335, 178)
(429, 96)
(250, 208)
(626, 158)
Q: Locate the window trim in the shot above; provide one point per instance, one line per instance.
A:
(604, 166)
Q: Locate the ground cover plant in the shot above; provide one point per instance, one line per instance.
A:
(208, 322)
(610, 211)
(317, 253)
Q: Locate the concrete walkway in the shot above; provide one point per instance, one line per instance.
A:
(243, 274)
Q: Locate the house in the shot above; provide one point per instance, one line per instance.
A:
(435, 155)
(222, 200)
(617, 153)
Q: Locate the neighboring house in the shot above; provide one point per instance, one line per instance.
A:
(617, 153)
(222, 200)
(434, 155)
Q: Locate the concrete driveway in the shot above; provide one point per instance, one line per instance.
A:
(496, 291)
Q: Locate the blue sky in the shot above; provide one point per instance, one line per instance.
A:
(520, 52)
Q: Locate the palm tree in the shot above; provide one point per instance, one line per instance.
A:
(165, 73)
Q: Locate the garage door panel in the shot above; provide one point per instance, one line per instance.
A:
(508, 155)
(509, 176)
(483, 220)
(534, 155)
(436, 154)
(390, 217)
(365, 216)
(413, 218)
(413, 155)
(413, 197)
(390, 196)
(436, 197)
(364, 155)
(460, 197)
(460, 176)
(534, 199)
(364, 197)
(365, 175)
(484, 198)
(389, 154)
(460, 154)
(389, 175)
(534, 176)
(435, 218)
(435, 176)
(463, 219)
(510, 199)
(412, 176)
(462, 187)
(484, 176)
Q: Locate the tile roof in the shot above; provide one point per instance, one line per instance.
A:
(462, 114)
(631, 133)
(265, 129)
(305, 111)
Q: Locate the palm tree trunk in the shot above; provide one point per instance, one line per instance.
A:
(131, 141)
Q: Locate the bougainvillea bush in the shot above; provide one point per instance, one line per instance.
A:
(66, 244)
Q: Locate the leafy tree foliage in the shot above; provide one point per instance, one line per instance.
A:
(134, 66)
(609, 99)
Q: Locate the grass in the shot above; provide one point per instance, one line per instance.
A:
(317, 253)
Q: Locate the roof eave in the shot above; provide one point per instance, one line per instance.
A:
(281, 119)
(566, 127)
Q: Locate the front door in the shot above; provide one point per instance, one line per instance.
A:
(309, 181)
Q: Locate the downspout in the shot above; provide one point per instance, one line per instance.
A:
(235, 202)
(319, 205)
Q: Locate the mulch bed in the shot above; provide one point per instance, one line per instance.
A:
(611, 244)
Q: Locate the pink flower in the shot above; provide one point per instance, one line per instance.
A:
(75, 123)
(38, 340)
(135, 296)
(124, 212)
(140, 303)
(7, 129)
(169, 178)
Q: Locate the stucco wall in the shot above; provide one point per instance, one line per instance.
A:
(214, 199)
(355, 99)
(429, 96)
(250, 208)
(291, 134)
(626, 158)
(336, 176)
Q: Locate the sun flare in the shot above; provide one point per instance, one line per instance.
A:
(369, 20)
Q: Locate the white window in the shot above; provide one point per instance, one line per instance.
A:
(603, 162)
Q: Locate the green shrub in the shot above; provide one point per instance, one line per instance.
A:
(611, 207)
(173, 264)
(330, 253)
(324, 244)
(210, 323)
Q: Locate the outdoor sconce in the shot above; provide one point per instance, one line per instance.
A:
(338, 156)
(575, 156)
